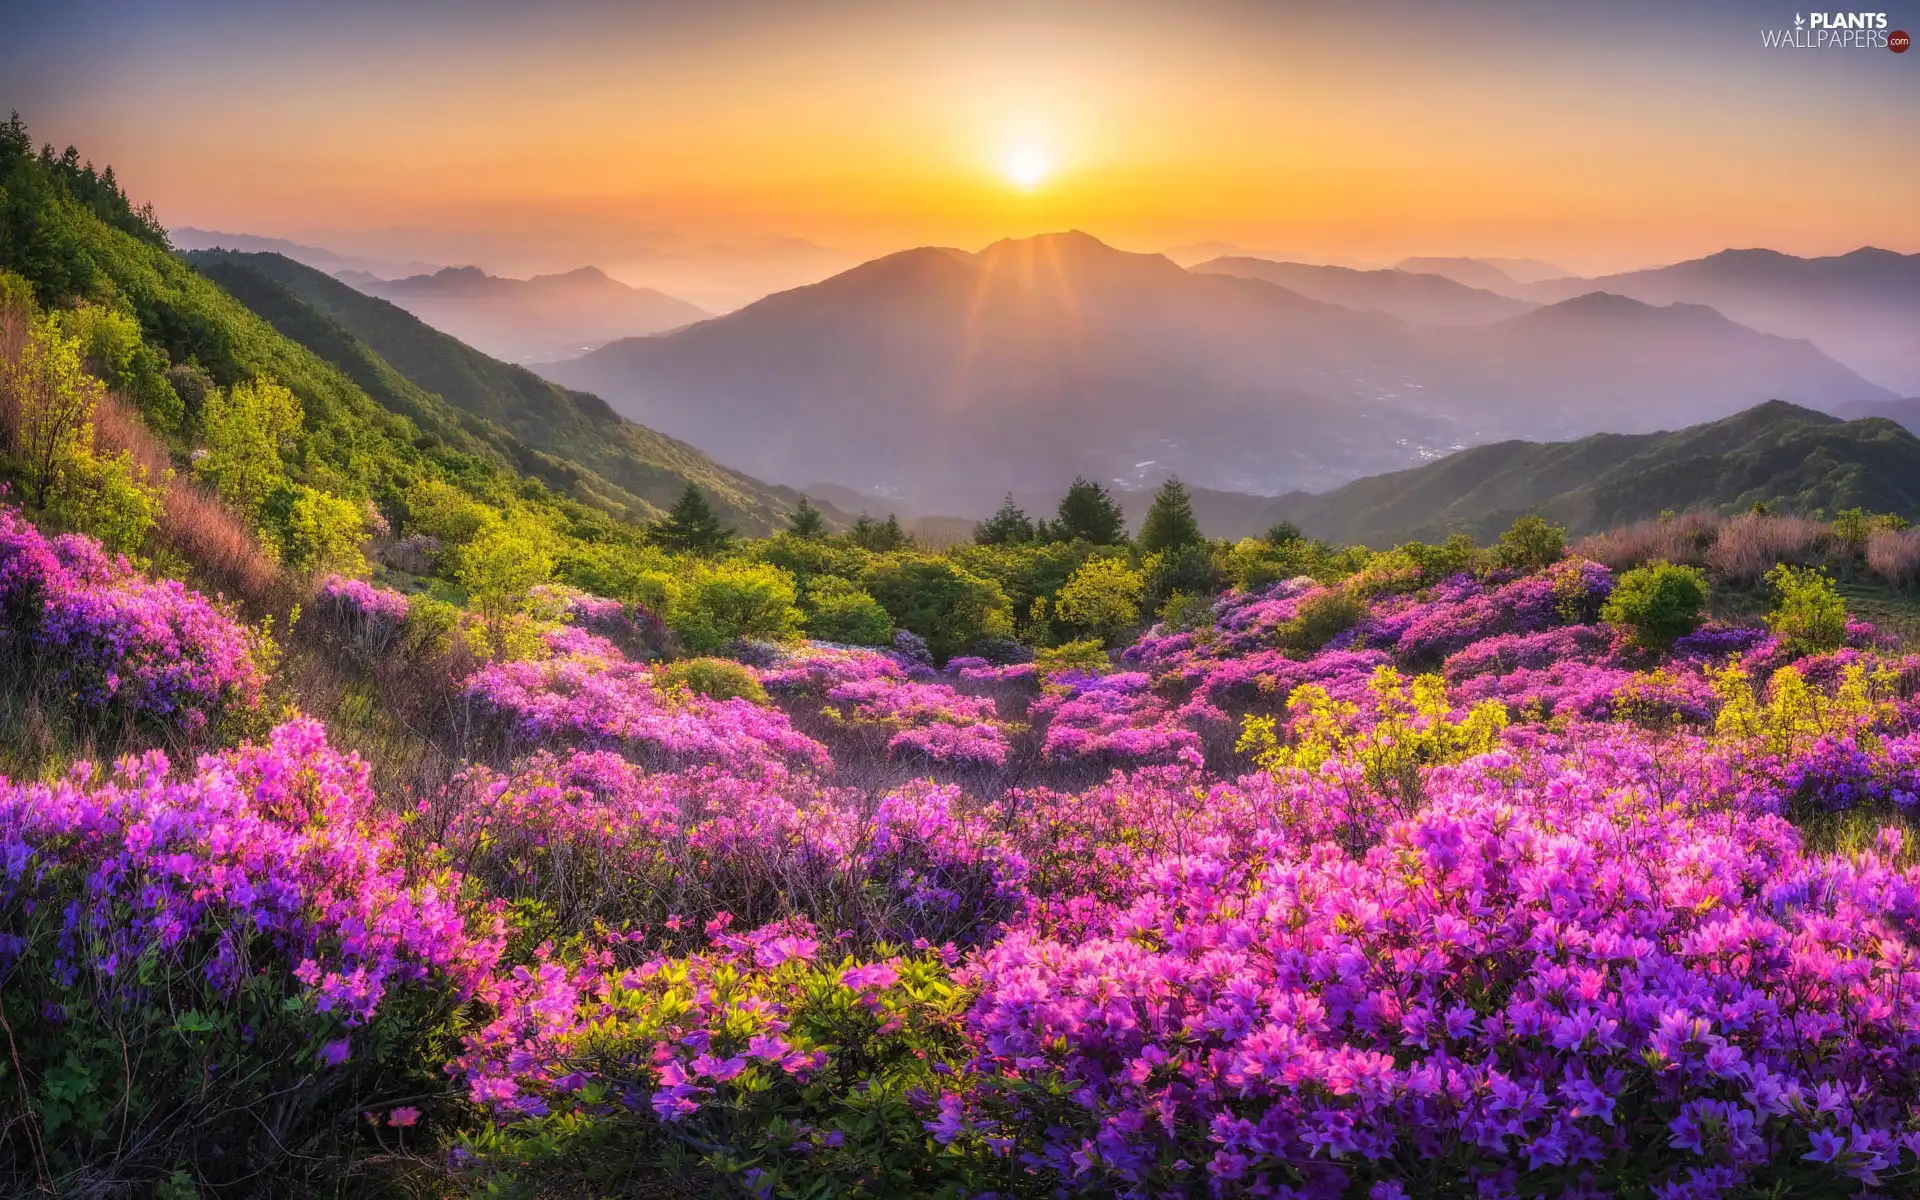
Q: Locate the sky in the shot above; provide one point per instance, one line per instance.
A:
(747, 142)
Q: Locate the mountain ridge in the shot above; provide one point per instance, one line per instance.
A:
(573, 440)
(946, 378)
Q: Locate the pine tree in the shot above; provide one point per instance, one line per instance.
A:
(806, 521)
(1007, 526)
(1170, 523)
(869, 534)
(691, 525)
(1088, 513)
(1284, 534)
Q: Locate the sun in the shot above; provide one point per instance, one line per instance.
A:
(1026, 166)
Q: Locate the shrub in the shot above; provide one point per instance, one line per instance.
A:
(500, 568)
(212, 977)
(714, 604)
(714, 678)
(939, 600)
(1854, 526)
(116, 645)
(726, 1072)
(1530, 544)
(1810, 617)
(246, 428)
(1102, 597)
(1085, 656)
(116, 355)
(1660, 602)
(1320, 618)
(315, 532)
(1444, 561)
(1189, 569)
(842, 612)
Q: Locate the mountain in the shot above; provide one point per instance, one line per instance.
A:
(1415, 299)
(1640, 365)
(944, 378)
(1473, 272)
(545, 317)
(1525, 270)
(319, 258)
(1900, 412)
(1862, 308)
(570, 440)
(1788, 456)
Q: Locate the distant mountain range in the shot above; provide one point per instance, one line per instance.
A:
(1415, 298)
(187, 238)
(525, 320)
(569, 440)
(1790, 457)
(1862, 308)
(946, 378)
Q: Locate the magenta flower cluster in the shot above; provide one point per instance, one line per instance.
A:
(590, 694)
(113, 641)
(266, 853)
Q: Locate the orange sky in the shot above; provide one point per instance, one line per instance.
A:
(541, 139)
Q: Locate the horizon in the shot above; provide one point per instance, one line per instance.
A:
(739, 151)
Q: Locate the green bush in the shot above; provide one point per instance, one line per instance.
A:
(1188, 569)
(1660, 602)
(1102, 598)
(1530, 544)
(1320, 618)
(842, 612)
(1440, 562)
(1811, 617)
(939, 600)
(714, 604)
(714, 678)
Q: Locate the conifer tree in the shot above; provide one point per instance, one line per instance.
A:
(1170, 523)
(1008, 525)
(806, 521)
(1088, 512)
(691, 525)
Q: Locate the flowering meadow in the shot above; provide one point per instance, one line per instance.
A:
(1489, 884)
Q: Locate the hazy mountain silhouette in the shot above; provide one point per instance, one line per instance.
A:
(547, 316)
(1416, 299)
(1640, 365)
(946, 378)
(1474, 272)
(188, 238)
(1901, 412)
(1862, 308)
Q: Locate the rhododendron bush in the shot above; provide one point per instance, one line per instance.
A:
(1453, 887)
(110, 644)
(222, 966)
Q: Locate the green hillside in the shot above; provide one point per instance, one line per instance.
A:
(1793, 459)
(570, 440)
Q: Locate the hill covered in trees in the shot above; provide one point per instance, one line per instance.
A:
(576, 441)
(1778, 454)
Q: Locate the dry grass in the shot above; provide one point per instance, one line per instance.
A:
(1683, 539)
(1746, 547)
(225, 555)
(1895, 557)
